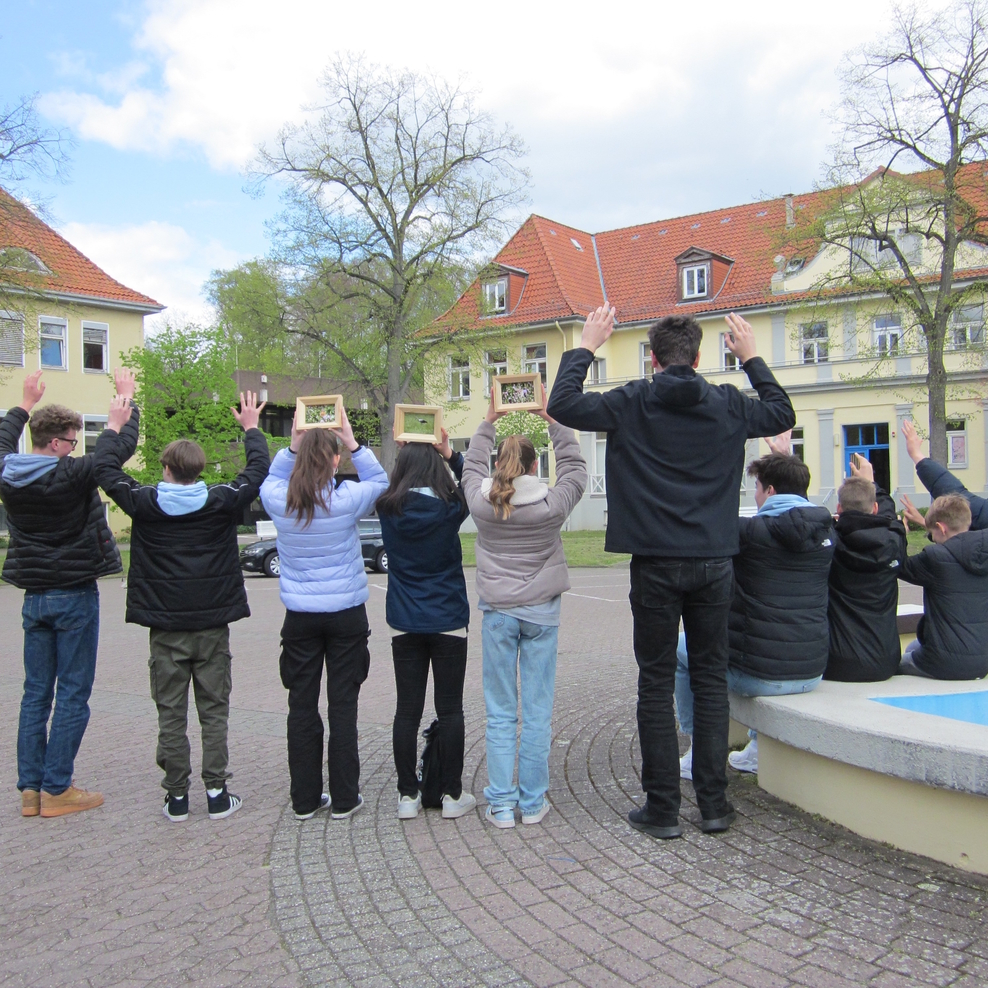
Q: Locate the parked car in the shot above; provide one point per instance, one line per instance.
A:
(262, 556)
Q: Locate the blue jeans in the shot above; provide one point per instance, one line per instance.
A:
(61, 633)
(512, 647)
(737, 682)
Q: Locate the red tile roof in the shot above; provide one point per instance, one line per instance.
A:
(72, 273)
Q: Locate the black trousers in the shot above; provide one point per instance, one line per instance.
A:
(663, 590)
(413, 654)
(338, 641)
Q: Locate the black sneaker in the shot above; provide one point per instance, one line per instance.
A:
(223, 805)
(642, 820)
(176, 808)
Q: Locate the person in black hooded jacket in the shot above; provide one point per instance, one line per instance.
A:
(864, 581)
(952, 637)
(428, 612)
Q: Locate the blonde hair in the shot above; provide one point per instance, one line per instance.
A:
(952, 511)
(857, 494)
(515, 456)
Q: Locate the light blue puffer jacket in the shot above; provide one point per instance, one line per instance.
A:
(322, 569)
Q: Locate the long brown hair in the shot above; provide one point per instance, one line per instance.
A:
(515, 456)
(311, 482)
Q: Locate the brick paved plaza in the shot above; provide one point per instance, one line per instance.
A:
(119, 896)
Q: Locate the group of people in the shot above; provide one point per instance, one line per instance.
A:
(768, 605)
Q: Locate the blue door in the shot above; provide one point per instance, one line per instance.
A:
(871, 442)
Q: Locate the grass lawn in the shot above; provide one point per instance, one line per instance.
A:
(917, 541)
(582, 549)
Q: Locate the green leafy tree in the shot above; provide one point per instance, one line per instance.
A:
(523, 424)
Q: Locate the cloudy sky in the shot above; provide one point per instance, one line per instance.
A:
(632, 110)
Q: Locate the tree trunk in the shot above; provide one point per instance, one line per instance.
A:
(936, 385)
(389, 451)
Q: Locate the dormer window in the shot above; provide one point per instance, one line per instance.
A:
(695, 281)
(496, 295)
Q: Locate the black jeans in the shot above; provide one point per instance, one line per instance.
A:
(699, 591)
(412, 654)
(338, 640)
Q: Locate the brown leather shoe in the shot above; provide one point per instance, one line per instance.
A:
(73, 800)
(30, 802)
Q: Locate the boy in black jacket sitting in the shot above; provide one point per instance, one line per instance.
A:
(185, 584)
(864, 581)
(952, 638)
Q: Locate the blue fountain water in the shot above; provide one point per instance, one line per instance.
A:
(972, 708)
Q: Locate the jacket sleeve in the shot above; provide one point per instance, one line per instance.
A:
(82, 469)
(938, 480)
(571, 470)
(108, 458)
(247, 484)
(372, 484)
(456, 465)
(11, 428)
(477, 464)
(772, 412)
(919, 569)
(568, 404)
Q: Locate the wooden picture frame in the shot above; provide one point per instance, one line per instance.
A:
(508, 388)
(305, 408)
(412, 420)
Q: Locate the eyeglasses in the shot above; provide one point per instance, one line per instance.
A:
(62, 439)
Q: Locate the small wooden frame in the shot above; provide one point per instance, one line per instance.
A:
(418, 424)
(517, 392)
(319, 412)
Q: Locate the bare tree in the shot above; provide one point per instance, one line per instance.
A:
(396, 188)
(908, 205)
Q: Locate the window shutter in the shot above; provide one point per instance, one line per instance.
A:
(11, 342)
(90, 335)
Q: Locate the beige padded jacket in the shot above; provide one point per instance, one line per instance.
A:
(520, 559)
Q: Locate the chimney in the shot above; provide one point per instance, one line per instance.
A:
(790, 214)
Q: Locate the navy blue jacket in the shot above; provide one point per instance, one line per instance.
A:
(427, 593)
(938, 480)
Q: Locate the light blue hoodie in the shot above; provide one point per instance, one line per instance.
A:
(779, 504)
(21, 469)
(181, 499)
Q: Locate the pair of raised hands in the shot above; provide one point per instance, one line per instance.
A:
(345, 431)
(493, 416)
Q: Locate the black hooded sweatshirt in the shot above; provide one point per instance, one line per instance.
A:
(778, 623)
(864, 595)
(954, 628)
(675, 452)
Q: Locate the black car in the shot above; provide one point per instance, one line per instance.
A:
(262, 556)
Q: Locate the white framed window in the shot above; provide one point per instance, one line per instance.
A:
(967, 327)
(814, 343)
(597, 372)
(543, 472)
(95, 346)
(54, 345)
(646, 359)
(888, 334)
(798, 444)
(695, 281)
(11, 339)
(459, 376)
(956, 443)
(728, 360)
(496, 295)
(92, 426)
(495, 363)
(597, 466)
(533, 360)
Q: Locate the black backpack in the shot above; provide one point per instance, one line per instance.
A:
(430, 768)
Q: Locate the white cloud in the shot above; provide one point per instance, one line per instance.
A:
(159, 259)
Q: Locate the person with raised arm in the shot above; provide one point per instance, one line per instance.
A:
(675, 456)
(185, 585)
(60, 544)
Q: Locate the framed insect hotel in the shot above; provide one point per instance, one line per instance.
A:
(418, 424)
(319, 412)
(517, 392)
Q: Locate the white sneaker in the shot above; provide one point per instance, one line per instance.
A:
(539, 815)
(453, 808)
(503, 817)
(686, 764)
(409, 806)
(746, 760)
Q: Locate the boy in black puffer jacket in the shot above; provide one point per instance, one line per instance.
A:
(778, 634)
(185, 584)
(952, 638)
(864, 581)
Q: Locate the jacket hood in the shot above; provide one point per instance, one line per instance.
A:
(21, 469)
(528, 490)
(970, 549)
(182, 499)
(424, 514)
(802, 529)
(679, 386)
(867, 543)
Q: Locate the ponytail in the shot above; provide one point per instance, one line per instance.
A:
(515, 457)
(311, 483)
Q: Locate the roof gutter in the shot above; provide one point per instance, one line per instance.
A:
(109, 303)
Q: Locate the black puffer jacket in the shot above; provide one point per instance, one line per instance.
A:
(184, 569)
(59, 537)
(954, 628)
(778, 624)
(938, 480)
(864, 595)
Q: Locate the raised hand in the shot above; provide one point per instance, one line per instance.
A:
(120, 412)
(445, 450)
(491, 415)
(910, 513)
(741, 338)
(544, 398)
(125, 382)
(346, 434)
(782, 443)
(34, 388)
(598, 328)
(914, 445)
(250, 411)
(861, 467)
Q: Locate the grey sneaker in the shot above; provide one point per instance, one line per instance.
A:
(453, 808)
(324, 803)
(537, 816)
(343, 814)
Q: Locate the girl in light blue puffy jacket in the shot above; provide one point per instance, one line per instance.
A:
(323, 587)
